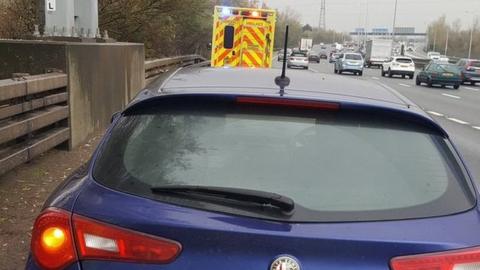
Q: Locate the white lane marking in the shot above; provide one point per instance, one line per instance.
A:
(478, 128)
(314, 70)
(436, 113)
(472, 89)
(404, 85)
(451, 96)
(458, 121)
(375, 78)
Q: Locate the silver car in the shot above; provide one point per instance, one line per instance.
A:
(349, 62)
(298, 59)
(281, 54)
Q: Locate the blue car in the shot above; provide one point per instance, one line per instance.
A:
(214, 169)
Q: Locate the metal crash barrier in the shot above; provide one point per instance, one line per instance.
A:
(157, 67)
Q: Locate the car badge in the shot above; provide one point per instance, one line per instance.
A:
(285, 262)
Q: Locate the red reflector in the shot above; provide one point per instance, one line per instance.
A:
(465, 259)
(304, 104)
(52, 242)
(101, 241)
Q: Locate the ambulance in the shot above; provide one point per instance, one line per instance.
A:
(243, 37)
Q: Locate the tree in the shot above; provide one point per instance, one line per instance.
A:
(167, 27)
(291, 18)
(458, 41)
(306, 28)
(18, 18)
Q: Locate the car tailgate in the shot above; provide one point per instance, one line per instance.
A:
(213, 240)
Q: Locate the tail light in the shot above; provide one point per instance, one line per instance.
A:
(296, 103)
(102, 241)
(465, 259)
(395, 64)
(52, 242)
(292, 59)
(434, 75)
(57, 243)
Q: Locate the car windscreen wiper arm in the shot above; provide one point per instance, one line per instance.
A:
(243, 195)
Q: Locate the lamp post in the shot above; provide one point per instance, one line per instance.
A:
(474, 12)
(471, 41)
(446, 41)
(394, 21)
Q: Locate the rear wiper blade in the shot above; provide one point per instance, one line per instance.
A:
(242, 195)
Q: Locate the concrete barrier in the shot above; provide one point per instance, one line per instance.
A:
(101, 77)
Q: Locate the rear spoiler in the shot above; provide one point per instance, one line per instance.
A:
(407, 113)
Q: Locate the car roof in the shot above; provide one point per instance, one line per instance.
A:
(303, 85)
(443, 63)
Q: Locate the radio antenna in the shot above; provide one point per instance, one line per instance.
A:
(283, 81)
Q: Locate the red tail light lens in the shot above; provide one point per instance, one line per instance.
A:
(52, 242)
(298, 103)
(96, 240)
(466, 259)
(55, 246)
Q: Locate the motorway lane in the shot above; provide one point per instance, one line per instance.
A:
(457, 111)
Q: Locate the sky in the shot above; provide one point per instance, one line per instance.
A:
(346, 15)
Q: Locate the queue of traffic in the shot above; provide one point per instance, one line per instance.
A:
(438, 72)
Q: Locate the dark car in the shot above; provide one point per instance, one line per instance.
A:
(215, 169)
(470, 70)
(314, 57)
(323, 54)
(439, 73)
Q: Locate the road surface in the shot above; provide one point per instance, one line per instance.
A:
(457, 111)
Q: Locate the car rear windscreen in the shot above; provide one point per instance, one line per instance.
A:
(404, 60)
(353, 57)
(299, 55)
(336, 166)
(448, 68)
(475, 64)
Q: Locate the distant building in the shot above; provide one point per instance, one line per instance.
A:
(359, 31)
(385, 31)
(380, 31)
(405, 30)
